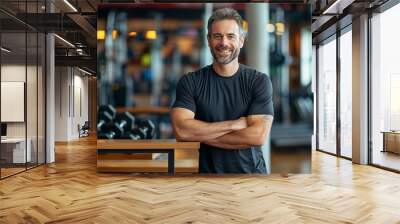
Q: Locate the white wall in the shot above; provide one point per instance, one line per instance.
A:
(80, 100)
(61, 103)
(71, 94)
(33, 126)
(12, 73)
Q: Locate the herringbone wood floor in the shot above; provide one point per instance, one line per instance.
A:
(71, 191)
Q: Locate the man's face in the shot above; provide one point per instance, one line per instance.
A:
(225, 41)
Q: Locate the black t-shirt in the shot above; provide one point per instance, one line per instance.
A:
(215, 98)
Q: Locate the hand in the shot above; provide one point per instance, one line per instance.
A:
(239, 124)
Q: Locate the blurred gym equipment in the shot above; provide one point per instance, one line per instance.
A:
(122, 125)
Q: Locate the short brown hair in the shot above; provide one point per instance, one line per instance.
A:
(226, 13)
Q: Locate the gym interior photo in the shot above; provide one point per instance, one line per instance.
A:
(207, 112)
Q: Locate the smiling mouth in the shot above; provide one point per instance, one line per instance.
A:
(223, 52)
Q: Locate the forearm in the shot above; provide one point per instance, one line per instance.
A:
(195, 130)
(187, 128)
(234, 140)
(219, 144)
(254, 135)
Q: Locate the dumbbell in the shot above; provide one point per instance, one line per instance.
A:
(125, 121)
(131, 135)
(121, 124)
(106, 115)
(106, 135)
(145, 129)
(148, 127)
(136, 134)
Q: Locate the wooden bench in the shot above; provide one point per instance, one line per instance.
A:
(127, 147)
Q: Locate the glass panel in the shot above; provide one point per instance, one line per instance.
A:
(13, 85)
(346, 94)
(31, 97)
(41, 90)
(41, 98)
(386, 89)
(31, 85)
(327, 97)
(23, 81)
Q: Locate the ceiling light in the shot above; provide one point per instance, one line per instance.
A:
(132, 34)
(79, 51)
(280, 28)
(337, 7)
(65, 41)
(5, 50)
(70, 5)
(245, 25)
(101, 34)
(84, 71)
(326, 11)
(151, 34)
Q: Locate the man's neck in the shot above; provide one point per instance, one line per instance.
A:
(226, 70)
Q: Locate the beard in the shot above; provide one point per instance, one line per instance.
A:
(224, 55)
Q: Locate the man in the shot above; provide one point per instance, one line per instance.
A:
(226, 106)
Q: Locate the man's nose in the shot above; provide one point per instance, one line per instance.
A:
(224, 40)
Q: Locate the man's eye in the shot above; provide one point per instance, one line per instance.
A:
(218, 36)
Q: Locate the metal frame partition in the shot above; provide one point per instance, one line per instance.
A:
(43, 55)
(337, 30)
(318, 128)
(382, 8)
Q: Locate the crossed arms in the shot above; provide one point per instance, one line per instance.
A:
(234, 134)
